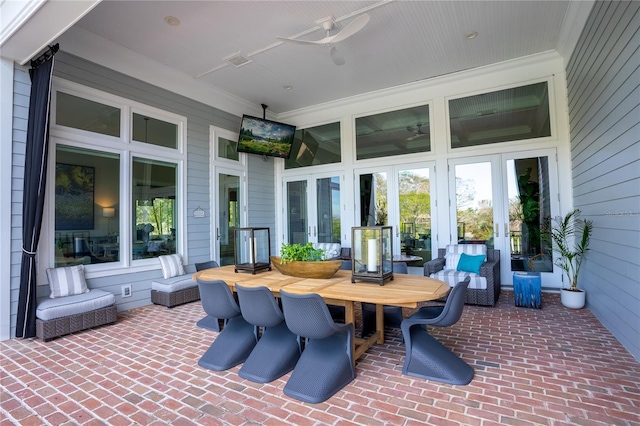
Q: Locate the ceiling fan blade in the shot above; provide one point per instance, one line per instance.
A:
(351, 28)
(337, 58)
(293, 40)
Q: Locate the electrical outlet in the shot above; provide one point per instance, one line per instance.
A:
(126, 290)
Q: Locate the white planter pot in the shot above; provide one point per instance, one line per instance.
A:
(573, 299)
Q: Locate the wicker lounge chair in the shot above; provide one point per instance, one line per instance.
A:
(489, 270)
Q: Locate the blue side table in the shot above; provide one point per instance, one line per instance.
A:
(527, 289)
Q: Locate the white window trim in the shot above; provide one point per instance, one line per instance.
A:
(127, 150)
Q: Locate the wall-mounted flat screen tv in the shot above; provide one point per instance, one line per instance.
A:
(265, 137)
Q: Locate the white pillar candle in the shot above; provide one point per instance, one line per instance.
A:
(372, 261)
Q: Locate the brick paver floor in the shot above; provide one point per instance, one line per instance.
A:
(549, 366)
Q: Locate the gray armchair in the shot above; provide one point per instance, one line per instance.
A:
(489, 270)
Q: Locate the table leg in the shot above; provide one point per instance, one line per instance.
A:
(350, 317)
(380, 323)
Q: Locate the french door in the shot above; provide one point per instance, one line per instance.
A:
(399, 196)
(505, 201)
(230, 209)
(313, 209)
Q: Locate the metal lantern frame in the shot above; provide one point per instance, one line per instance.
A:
(251, 252)
(372, 253)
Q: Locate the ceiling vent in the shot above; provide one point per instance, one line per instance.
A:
(237, 60)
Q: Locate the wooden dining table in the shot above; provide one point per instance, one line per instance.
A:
(404, 290)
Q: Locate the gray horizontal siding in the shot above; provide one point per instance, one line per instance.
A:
(199, 118)
(603, 78)
(261, 194)
(21, 90)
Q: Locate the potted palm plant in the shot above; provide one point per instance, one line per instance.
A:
(570, 236)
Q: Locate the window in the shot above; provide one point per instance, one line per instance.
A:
(93, 207)
(404, 131)
(86, 206)
(227, 149)
(154, 196)
(315, 146)
(154, 131)
(79, 113)
(505, 115)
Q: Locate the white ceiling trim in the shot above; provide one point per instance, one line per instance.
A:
(574, 22)
(33, 29)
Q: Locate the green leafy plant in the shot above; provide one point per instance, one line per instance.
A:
(570, 235)
(291, 252)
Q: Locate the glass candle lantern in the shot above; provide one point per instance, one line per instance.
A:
(252, 249)
(371, 253)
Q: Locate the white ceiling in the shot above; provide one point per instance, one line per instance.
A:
(404, 41)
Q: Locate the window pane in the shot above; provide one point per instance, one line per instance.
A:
(87, 191)
(229, 199)
(505, 115)
(474, 203)
(328, 209)
(314, 146)
(297, 212)
(414, 194)
(83, 114)
(399, 132)
(154, 200)
(154, 131)
(529, 214)
(373, 199)
(227, 149)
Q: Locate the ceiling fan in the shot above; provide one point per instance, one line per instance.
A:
(328, 42)
(417, 131)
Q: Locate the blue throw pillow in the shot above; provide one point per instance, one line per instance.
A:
(469, 263)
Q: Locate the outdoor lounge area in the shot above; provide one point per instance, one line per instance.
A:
(133, 133)
(542, 366)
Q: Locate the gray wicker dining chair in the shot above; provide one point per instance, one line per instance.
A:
(278, 349)
(426, 357)
(237, 339)
(326, 363)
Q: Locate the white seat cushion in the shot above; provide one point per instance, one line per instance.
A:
(170, 285)
(60, 307)
(452, 277)
(331, 250)
(453, 252)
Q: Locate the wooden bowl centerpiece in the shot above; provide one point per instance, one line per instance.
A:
(304, 261)
(307, 268)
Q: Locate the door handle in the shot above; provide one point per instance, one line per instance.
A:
(217, 233)
(309, 230)
(314, 231)
(397, 230)
(497, 230)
